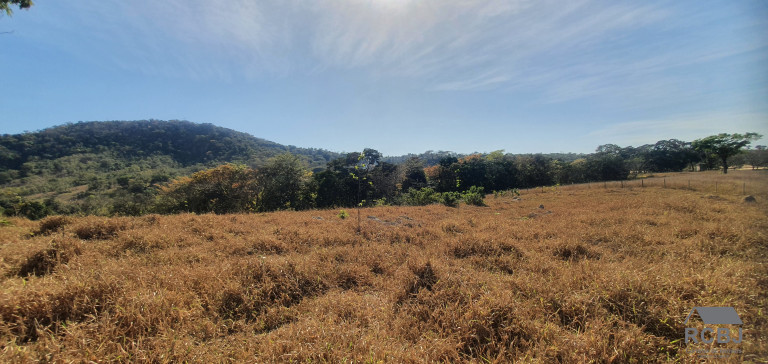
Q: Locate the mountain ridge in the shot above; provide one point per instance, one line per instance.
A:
(186, 142)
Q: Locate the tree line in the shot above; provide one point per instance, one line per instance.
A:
(286, 181)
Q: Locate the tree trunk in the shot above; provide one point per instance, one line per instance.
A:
(725, 165)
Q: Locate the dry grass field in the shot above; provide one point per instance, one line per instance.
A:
(574, 274)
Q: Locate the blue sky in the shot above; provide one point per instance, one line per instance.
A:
(396, 75)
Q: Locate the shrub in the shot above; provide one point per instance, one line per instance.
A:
(513, 192)
(106, 229)
(227, 188)
(474, 196)
(52, 224)
(34, 210)
(343, 214)
(450, 199)
(45, 261)
(421, 197)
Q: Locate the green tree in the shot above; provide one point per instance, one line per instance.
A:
(757, 157)
(724, 146)
(472, 171)
(225, 189)
(284, 181)
(413, 174)
(446, 177)
(501, 172)
(5, 5)
(668, 156)
(366, 161)
(535, 170)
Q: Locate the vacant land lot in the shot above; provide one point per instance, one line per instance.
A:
(568, 275)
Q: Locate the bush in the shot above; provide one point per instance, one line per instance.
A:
(450, 199)
(227, 188)
(474, 196)
(99, 229)
(513, 192)
(52, 224)
(343, 214)
(421, 197)
(45, 261)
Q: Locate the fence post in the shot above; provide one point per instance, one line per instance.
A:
(689, 184)
(605, 184)
(715, 187)
(642, 183)
(665, 183)
(744, 188)
(622, 184)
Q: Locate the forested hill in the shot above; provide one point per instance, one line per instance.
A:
(116, 167)
(185, 142)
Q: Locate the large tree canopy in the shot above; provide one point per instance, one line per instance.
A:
(5, 5)
(724, 146)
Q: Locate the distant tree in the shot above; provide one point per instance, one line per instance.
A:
(225, 189)
(574, 172)
(757, 157)
(283, 182)
(724, 146)
(444, 176)
(472, 171)
(413, 174)
(609, 149)
(606, 168)
(535, 170)
(5, 5)
(371, 157)
(668, 156)
(336, 185)
(762, 156)
(501, 172)
(385, 178)
(607, 164)
(366, 162)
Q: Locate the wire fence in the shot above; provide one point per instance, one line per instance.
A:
(706, 183)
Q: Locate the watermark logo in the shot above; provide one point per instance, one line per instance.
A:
(703, 340)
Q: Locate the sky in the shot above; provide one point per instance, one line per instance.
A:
(399, 76)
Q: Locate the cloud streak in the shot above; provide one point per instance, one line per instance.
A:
(558, 50)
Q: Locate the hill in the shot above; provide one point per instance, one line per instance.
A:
(597, 275)
(184, 142)
(87, 167)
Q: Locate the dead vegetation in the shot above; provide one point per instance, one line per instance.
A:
(606, 275)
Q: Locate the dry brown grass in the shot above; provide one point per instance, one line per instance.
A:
(600, 275)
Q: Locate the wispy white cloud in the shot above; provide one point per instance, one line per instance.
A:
(559, 50)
